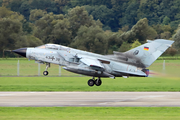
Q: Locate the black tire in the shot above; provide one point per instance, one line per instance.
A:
(98, 82)
(45, 73)
(91, 82)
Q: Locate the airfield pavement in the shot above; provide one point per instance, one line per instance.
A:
(86, 99)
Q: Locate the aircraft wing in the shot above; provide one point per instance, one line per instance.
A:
(129, 73)
(93, 63)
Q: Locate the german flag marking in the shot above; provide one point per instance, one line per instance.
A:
(146, 48)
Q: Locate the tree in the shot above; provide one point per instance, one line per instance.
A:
(114, 41)
(14, 31)
(25, 9)
(5, 3)
(60, 4)
(52, 28)
(143, 31)
(33, 41)
(125, 47)
(102, 13)
(176, 38)
(44, 27)
(130, 15)
(1, 1)
(119, 7)
(166, 20)
(36, 14)
(10, 34)
(14, 5)
(78, 17)
(4, 12)
(172, 51)
(74, 3)
(47, 5)
(62, 34)
(125, 28)
(135, 44)
(165, 35)
(91, 39)
(163, 31)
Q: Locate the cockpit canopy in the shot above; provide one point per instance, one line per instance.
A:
(49, 46)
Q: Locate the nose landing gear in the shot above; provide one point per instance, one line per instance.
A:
(45, 73)
(92, 81)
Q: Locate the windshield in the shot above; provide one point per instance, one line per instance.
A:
(41, 47)
(49, 46)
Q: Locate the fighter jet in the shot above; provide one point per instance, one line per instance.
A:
(131, 63)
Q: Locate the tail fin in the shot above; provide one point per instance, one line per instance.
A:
(147, 53)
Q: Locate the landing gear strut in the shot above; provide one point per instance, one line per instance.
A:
(92, 81)
(98, 82)
(45, 73)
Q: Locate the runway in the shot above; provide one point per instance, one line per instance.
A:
(86, 99)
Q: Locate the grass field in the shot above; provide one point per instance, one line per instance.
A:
(80, 84)
(168, 79)
(90, 113)
(171, 68)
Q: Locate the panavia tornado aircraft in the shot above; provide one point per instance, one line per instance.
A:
(131, 63)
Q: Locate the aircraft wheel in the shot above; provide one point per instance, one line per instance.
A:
(91, 82)
(45, 73)
(98, 82)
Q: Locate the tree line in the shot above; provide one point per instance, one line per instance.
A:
(98, 26)
(114, 14)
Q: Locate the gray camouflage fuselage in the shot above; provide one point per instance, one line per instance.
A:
(130, 63)
(71, 59)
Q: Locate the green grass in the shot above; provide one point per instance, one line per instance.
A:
(172, 68)
(80, 84)
(167, 80)
(177, 57)
(89, 113)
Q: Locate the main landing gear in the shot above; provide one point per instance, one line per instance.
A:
(92, 81)
(45, 73)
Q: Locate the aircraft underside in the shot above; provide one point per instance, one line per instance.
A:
(95, 74)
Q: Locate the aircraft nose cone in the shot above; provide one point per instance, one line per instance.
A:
(21, 51)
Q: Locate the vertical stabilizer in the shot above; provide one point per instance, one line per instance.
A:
(147, 53)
